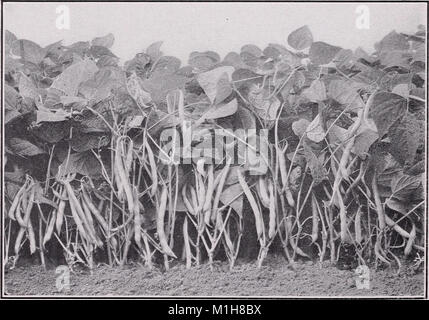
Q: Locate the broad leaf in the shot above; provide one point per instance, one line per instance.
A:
(315, 131)
(209, 80)
(345, 92)
(27, 88)
(107, 61)
(158, 86)
(223, 89)
(28, 51)
(106, 41)
(322, 53)
(24, 148)
(265, 105)
(252, 49)
(203, 61)
(274, 51)
(399, 206)
(316, 92)
(300, 126)
(243, 78)
(386, 166)
(9, 38)
(396, 58)
(135, 89)
(402, 90)
(69, 81)
(165, 66)
(244, 119)
(407, 135)
(220, 110)
(46, 115)
(90, 122)
(363, 141)
(13, 182)
(10, 103)
(100, 86)
(52, 132)
(138, 64)
(100, 51)
(301, 38)
(386, 108)
(81, 141)
(84, 163)
(392, 41)
(233, 59)
(69, 100)
(336, 134)
(344, 59)
(315, 164)
(154, 50)
(233, 196)
(404, 185)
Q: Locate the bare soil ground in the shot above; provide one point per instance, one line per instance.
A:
(275, 278)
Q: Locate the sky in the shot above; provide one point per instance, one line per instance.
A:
(221, 27)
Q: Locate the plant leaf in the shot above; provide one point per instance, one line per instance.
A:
(106, 41)
(81, 141)
(24, 148)
(70, 79)
(301, 38)
(233, 196)
(154, 50)
(9, 38)
(203, 61)
(209, 80)
(100, 86)
(363, 141)
(300, 126)
(318, 172)
(28, 51)
(322, 53)
(316, 92)
(407, 135)
(107, 61)
(315, 131)
(244, 119)
(264, 106)
(245, 78)
(392, 41)
(404, 185)
(219, 111)
(165, 66)
(46, 115)
(345, 92)
(84, 163)
(223, 89)
(134, 87)
(402, 89)
(158, 86)
(10, 102)
(27, 88)
(51, 132)
(100, 51)
(386, 108)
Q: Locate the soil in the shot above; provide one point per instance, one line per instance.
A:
(275, 278)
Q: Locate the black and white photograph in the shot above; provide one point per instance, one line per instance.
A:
(214, 150)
